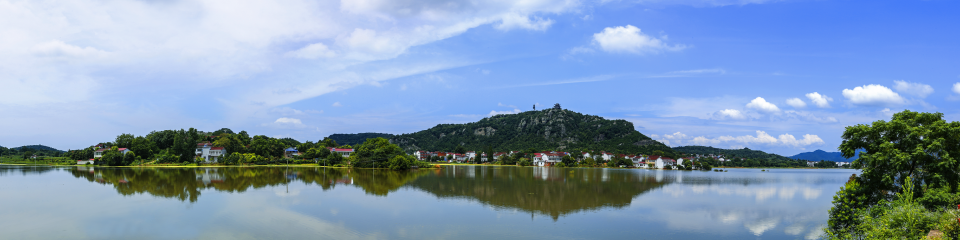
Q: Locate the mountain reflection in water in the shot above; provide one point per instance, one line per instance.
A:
(548, 191)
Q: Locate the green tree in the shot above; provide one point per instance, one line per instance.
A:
(185, 144)
(129, 159)
(375, 150)
(222, 131)
(568, 161)
(231, 143)
(124, 140)
(327, 143)
(589, 162)
(918, 146)
(244, 138)
(163, 139)
(144, 147)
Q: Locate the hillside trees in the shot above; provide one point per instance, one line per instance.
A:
(373, 151)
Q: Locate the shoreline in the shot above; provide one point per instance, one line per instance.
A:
(314, 165)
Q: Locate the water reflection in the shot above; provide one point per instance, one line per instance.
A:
(742, 203)
(186, 184)
(549, 191)
(6, 170)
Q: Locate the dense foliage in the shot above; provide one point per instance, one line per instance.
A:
(357, 138)
(551, 129)
(912, 149)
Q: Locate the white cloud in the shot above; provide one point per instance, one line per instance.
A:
(873, 95)
(915, 89)
(729, 114)
(518, 21)
(287, 111)
(956, 88)
(807, 116)
(337, 104)
(761, 138)
(60, 49)
(220, 41)
(288, 121)
(504, 105)
(762, 105)
(820, 100)
(629, 39)
(808, 139)
(495, 112)
(313, 51)
(796, 103)
(708, 3)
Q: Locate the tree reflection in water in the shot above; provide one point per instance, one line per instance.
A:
(538, 190)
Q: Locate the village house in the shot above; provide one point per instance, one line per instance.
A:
(344, 152)
(99, 152)
(209, 153)
(422, 155)
(291, 153)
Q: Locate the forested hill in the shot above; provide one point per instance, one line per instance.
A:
(40, 148)
(358, 138)
(730, 153)
(550, 129)
(824, 155)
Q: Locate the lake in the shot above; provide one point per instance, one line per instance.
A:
(453, 202)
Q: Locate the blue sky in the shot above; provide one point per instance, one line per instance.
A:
(780, 76)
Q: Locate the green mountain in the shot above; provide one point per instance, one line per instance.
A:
(824, 155)
(730, 153)
(357, 138)
(36, 148)
(550, 129)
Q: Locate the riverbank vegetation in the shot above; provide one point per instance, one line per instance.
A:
(909, 184)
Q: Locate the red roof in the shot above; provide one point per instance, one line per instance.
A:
(121, 149)
(216, 148)
(341, 149)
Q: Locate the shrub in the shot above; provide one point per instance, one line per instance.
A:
(524, 162)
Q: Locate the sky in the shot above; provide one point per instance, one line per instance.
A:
(779, 76)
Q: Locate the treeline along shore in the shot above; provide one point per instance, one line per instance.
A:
(551, 137)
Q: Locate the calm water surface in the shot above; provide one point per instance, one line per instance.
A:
(455, 202)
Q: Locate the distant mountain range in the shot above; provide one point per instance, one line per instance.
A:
(824, 155)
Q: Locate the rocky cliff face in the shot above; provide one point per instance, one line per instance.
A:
(555, 129)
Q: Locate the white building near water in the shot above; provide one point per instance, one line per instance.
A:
(209, 153)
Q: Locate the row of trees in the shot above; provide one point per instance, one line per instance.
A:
(179, 146)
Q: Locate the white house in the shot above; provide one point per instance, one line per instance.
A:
(209, 153)
(345, 152)
(472, 154)
(606, 156)
(99, 152)
(422, 155)
(639, 161)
